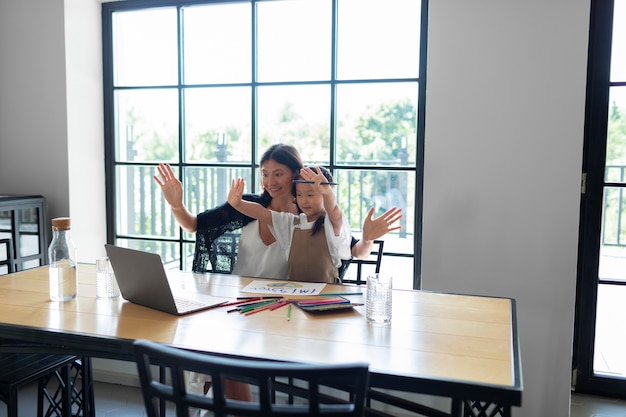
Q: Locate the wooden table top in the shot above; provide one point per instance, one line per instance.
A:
(466, 340)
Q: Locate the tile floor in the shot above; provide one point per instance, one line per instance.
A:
(121, 401)
(592, 406)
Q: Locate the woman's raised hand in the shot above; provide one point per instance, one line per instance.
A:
(236, 192)
(171, 187)
(172, 190)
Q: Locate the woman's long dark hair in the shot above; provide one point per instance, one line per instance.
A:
(285, 155)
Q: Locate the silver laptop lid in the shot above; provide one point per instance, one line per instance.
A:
(142, 280)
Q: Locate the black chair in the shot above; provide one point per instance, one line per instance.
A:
(223, 254)
(319, 390)
(64, 382)
(6, 256)
(375, 259)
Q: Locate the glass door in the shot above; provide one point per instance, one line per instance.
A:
(600, 342)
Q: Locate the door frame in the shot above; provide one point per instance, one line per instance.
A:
(590, 229)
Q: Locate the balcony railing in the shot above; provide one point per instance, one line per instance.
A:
(146, 219)
(614, 207)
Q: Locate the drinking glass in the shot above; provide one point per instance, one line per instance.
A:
(106, 284)
(378, 299)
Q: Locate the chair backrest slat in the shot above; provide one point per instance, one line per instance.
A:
(6, 262)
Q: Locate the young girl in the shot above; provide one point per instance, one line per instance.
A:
(317, 239)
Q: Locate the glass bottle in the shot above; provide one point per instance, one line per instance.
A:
(62, 261)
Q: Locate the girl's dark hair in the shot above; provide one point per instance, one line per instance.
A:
(319, 222)
(285, 155)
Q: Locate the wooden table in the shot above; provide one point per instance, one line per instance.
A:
(461, 347)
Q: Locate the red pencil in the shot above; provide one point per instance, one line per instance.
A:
(278, 305)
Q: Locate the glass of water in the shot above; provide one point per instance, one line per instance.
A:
(378, 299)
(106, 284)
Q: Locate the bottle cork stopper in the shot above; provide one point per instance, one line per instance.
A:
(61, 223)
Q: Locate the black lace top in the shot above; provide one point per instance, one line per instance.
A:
(212, 224)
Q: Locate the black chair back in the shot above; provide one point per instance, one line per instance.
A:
(375, 259)
(223, 254)
(318, 390)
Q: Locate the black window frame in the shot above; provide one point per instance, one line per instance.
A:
(109, 8)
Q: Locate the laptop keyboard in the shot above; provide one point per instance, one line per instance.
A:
(185, 304)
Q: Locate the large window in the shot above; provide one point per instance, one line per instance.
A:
(207, 87)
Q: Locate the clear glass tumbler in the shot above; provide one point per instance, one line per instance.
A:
(106, 284)
(378, 299)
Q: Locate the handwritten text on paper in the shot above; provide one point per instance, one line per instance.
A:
(284, 287)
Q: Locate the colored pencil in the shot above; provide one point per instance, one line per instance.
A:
(255, 306)
(278, 305)
(254, 303)
(324, 300)
(289, 312)
(340, 293)
(259, 298)
(313, 182)
(234, 303)
(262, 308)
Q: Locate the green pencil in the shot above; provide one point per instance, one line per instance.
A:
(249, 307)
(289, 312)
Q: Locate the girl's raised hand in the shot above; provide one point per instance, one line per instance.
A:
(374, 228)
(316, 176)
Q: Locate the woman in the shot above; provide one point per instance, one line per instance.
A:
(258, 253)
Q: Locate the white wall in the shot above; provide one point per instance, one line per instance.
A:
(504, 137)
(33, 113)
(51, 134)
(504, 133)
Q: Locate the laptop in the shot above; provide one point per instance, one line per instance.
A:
(142, 280)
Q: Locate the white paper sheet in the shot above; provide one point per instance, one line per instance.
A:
(284, 287)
